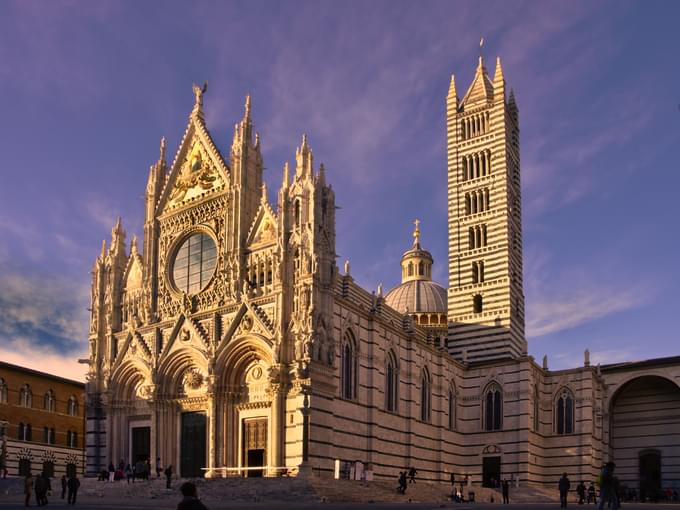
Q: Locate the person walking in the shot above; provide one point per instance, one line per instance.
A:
(506, 491)
(128, 473)
(412, 475)
(63, 486)
(28, 488)
(190, 499)
(564, 486)
(73, 486)
(581, 491)
(402, 482)
(40, 488)
(112, 472)
(168, 477)
(608, 487)
(159, 467)
(592, 494)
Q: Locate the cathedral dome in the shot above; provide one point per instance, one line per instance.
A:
(417, 296)
(417, 293)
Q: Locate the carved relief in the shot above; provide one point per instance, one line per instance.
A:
(197, 174)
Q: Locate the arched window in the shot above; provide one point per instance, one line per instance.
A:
(391, 383)
(493, 408)
(72, 439)
(72, 406)
(49, 402)
(425, 396)
(452, 407)
(477, 304)
(24, 432)
(421, 268)
(564, 412)
(26, 396)
(3, 391)
(410, 269)
(349, 367)
(537, 410)
(475, 273)
(297, 213)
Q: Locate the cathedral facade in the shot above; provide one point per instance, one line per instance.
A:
(229, 342)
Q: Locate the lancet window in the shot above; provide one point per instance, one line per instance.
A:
(26, 396)
(564, 412)
(349, 367)
(477, 236)
(425, 396)
(49, 402)
(391, 383)
(474, 125)
(476, 165)
(72, 406)
(3, 391)
(478, 271)
(493, 408)
(452, 407)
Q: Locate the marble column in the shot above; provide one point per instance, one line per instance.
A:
(212, 434)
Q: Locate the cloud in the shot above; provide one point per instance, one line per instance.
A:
(43, 313)
(26, 353)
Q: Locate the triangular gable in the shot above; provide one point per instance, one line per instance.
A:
(198, 169)
(263, 231)
(254, 323)
(135, 347)
(186, 332)
(133, 276)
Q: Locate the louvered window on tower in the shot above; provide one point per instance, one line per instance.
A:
(477, 237)
(478, 272)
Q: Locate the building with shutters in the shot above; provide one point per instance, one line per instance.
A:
(228, 341)
(42, 422)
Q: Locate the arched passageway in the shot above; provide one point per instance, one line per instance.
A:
(645, 434)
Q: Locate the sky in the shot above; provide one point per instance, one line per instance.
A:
(88, 88)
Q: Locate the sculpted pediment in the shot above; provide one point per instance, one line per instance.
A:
(186, 333)
(264, 230)
(197, 172)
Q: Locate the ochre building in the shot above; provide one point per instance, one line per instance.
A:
(228, 339)
(42, 422)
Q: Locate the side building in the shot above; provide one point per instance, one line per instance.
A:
(42, 419)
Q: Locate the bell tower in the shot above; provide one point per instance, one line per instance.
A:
(485, 294)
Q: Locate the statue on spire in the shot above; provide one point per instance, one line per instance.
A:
(416, 233)
(198, 95)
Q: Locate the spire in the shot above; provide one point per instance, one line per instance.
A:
(303, 159)
(452, 88)
(118, 238)
(264, 193)
(481, 88)
(511, 99)
(321, 176)
(161, 158)
(499, 80)
(285, 175)
(133, 246)
(246, 113)
(103, 253)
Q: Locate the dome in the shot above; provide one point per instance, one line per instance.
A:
(417, 296)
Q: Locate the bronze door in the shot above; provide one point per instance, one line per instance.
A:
(254, 445)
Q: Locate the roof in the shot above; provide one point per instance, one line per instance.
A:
(417, 296)
(37, 373)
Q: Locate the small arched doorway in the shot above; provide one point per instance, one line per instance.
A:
(650, 474)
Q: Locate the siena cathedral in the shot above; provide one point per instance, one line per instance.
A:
(228, 341)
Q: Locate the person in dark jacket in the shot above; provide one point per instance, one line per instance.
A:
(28, 488)
(168, 476)
(564, 486)
(581, 491)
(506, 491)
(63, 486)
(190, 500)
(73, 486)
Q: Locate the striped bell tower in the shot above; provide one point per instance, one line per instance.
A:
(485, 296)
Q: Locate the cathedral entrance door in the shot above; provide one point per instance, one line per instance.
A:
(141, 444)
(255, 445)
(192, 453)
(491, 471)
(650, 474)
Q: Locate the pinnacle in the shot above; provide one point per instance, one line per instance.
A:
(498, 75)
(452, 87)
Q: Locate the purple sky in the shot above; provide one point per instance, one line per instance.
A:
(88, 88)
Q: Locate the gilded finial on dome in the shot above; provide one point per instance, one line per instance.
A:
(416, 233)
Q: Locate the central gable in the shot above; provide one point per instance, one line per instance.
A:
(198, 170)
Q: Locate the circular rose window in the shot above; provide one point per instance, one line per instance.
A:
(194, 263)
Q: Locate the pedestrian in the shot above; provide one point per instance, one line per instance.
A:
(168, 476)
(147, 469)
(412, 475)
(28, 488)
(581, 491)
(112, 472)
(190, 499)
(592, 494)
(564, 486)
(40, 488)
(128, 473)
(608, 487)
(506, 491)
(402, 482)
(73, 486)
(63, 486)
(159, 467)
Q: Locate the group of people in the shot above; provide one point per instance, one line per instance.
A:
(406, 477)
(139, 470)
(42, 487)
(609, 490)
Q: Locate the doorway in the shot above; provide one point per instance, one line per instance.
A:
(255, 445)
(650, 474)
(491, 471)
(24, 467)
(141, 444)
(192, 456)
